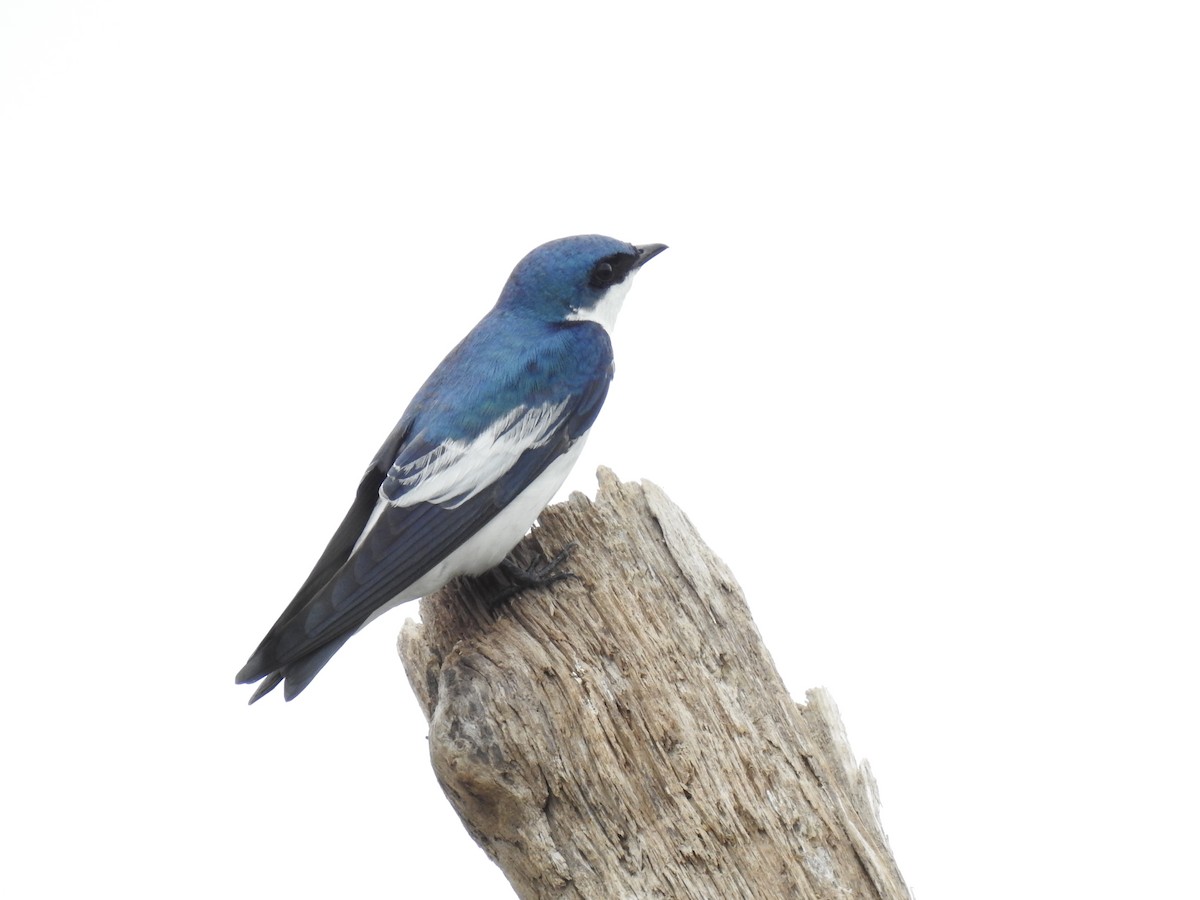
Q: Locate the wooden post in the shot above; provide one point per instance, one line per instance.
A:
(625, 734)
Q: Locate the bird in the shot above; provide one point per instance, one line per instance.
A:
(480, 450)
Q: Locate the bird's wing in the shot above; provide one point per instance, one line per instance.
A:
(434, 515)
(342, 543)
(437, 496)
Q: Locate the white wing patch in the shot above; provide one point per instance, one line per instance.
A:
(492, 542)
(458, 470)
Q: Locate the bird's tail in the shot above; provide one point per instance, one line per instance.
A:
(295, 675)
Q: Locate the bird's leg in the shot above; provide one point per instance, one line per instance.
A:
(539, 573)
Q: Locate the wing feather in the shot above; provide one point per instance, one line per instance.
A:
(406, 542)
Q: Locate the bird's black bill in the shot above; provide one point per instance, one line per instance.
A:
(647, 252)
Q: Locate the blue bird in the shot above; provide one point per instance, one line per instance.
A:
(482, 448)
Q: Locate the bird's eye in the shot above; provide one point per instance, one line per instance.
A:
(602, 275)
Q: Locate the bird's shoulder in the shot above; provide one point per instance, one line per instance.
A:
(506, 363)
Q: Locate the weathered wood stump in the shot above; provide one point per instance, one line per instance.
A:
(625, 734)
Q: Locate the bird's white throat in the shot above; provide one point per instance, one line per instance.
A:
(604, 313)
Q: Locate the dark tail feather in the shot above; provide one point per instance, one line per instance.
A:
(305, 669)
(271, 682)
(298, 673)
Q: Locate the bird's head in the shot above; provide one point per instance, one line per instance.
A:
(581, 278)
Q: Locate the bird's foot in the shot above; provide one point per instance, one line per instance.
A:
(539, 573)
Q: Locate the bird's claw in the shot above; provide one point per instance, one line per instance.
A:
(540, 572)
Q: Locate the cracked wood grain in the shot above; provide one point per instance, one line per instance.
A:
(624, 734)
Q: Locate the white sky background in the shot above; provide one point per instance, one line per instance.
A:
(921, 364)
